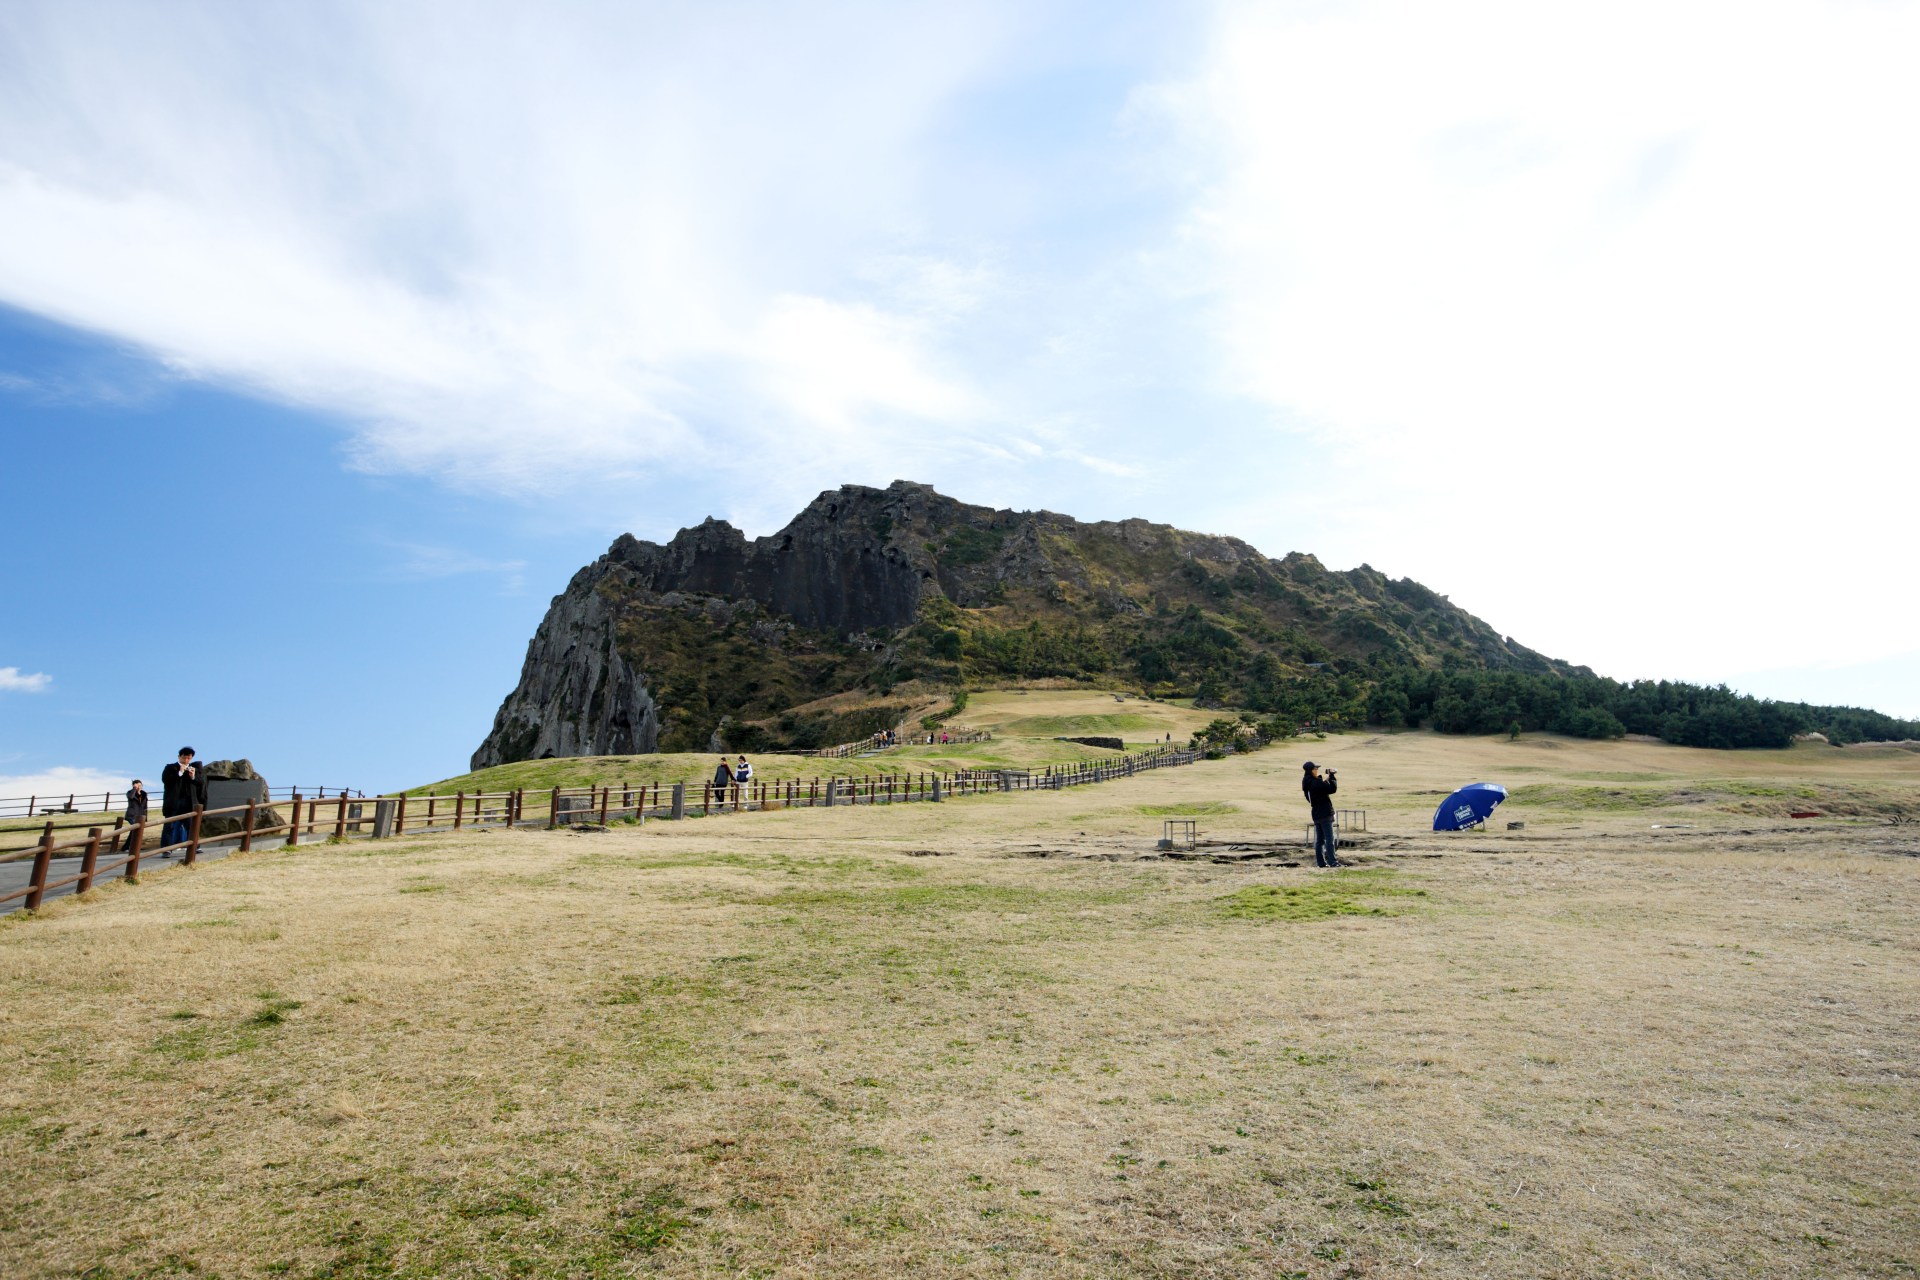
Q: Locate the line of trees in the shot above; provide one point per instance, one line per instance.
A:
(1192, 652)
(1583, 706)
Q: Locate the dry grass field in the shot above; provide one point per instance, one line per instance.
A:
(1001, 1037)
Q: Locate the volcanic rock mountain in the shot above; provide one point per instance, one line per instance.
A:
(713, 636)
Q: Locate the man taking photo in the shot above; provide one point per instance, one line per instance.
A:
(183, 790)
(1319, 793)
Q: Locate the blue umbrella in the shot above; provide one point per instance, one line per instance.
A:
(1468, 807)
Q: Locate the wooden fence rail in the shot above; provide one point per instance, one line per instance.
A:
(342, 817)
(114, 801)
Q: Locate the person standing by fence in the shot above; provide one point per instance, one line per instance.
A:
(1319, 793)
(722, 780)
(743, 775)
(136, 810)
(181, 790)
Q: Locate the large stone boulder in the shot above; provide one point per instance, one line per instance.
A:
(234, 782)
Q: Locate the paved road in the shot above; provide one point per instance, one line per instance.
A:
(18, 875)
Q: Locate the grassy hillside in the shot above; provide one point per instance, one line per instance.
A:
(1024, 722)
(1003, 1037)
(581, 771)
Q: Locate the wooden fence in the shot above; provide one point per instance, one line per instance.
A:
(115, 801)
(903, 737)
(341, 817)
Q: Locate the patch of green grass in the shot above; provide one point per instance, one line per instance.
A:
(1761, 791)
(505, 1204)
(1108, 725)
(1321, 898)
(652, 1222)
(273, 1011)
(938, 898)
(1620, 776)
(1550, 795)
(1191, 809)
(197, 1041)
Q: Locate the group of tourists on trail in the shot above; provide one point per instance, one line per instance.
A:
(727, 775)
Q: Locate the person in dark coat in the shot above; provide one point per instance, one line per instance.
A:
(722, 779)
(136, 810)
(182, 789)
(1319, 793)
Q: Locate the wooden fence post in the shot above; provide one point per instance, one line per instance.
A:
(86, 863)
(340, 818)
(459, 809)
(193, 835)
(293, 831)
(553, 810)
(606, 797)
(42, 863)
(400, 816)
(246, 832)
(133, 850)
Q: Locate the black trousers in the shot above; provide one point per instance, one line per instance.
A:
(1325, 844)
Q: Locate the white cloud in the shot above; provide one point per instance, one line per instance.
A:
(14, 680)
(89, 785)
(1602, 316)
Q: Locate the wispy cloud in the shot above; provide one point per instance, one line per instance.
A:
(418, 562)
(14, 680)
(582, 244)
(124, 389)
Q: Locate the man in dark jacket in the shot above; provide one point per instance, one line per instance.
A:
(722, 780)
(1319, 793)
(182, 790)
(136, 810)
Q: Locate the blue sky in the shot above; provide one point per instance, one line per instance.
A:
(368, 324)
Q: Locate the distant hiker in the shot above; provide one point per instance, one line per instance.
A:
(743, 772)
(136, 810)
(1319, 793)
(722, 778)
(182, 788)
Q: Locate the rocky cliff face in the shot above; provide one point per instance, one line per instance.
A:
(577, 695)
(661, 647)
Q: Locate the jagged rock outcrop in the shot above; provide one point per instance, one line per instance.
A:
(660, 646)
(577, 695)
